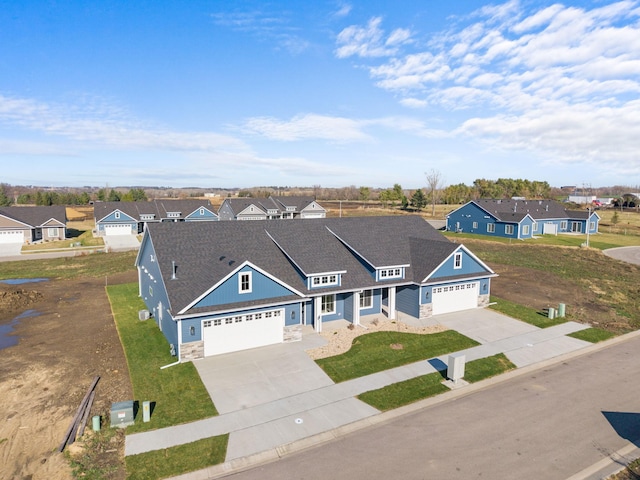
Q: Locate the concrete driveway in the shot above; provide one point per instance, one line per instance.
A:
(10, 249)
(240, 380)
(626, 254)
(121, 243)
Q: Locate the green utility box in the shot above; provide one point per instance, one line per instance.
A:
(122, 414)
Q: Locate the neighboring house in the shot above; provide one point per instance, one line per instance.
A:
(520, 219)
(231, 286)
(270, 208)
(131, 218)
(32, 224)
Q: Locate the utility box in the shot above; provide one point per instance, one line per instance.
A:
(146, 411)
(122, 414)
(455, 369)
(143, 315)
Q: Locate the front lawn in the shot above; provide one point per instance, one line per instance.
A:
(403, 393)
(177, 391)
(525, 314)
(593, 335)
(379, 351)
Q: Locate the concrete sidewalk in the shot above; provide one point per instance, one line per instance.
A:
(279, 422)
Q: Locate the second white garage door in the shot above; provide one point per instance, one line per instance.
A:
(454, 298)
(241, 332)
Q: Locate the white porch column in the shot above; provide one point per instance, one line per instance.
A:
(356, 308)
(317, 314)
(392, 303)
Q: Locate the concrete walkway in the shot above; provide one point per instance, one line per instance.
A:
(278, 422)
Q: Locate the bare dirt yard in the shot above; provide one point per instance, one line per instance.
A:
(66, 339)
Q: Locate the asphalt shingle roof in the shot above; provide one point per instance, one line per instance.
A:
(508, 210)
(36, 216)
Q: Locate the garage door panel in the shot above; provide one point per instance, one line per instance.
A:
(117, 229)
(453, 298)
(11, 236)
(241, 332)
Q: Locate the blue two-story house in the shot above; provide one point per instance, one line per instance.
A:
(229, 286)
(520, 219)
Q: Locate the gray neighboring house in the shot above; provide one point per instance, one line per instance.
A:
(132, 218)
(274, 207)
(33, 224)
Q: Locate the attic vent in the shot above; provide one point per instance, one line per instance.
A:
(174, 270)
(222, 257)
(231, 262)
(546, 208)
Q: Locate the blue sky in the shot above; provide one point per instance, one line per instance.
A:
(369, 93)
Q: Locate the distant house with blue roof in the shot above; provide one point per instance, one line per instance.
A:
(520, 219)
(229, 286)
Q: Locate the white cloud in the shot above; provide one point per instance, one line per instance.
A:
(344, 10)
(370, 41)
(305, 127)
(562, 80)
(107, 126)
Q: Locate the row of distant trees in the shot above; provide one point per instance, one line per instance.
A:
(48, 197)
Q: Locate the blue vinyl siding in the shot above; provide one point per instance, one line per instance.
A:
(407, 300)
(262, 288)
(348, 308)
(153, 293)
(469, 266)
(296, 319)
(207, 215)
(463, 220)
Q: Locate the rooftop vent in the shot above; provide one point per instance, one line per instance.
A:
(174, 270)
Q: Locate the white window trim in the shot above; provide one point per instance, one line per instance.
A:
(324, 280)
(366, 299)
(249, 276)
(525, 230)
(475, 224)
(333, 302)
(53, 231)
(491, 228)
(117, 215)
(387, 273)
(457, 261)
(564, 224)
(508, 229)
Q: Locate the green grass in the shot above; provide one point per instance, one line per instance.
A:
(403, 393)
(90, 265)
(86, 239)
(177, 460)
(593, 335)
(601, 241)
(177, 391)
(487, 367)
(528, 315)
(372, 352)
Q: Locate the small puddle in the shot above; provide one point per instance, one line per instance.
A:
(7, 339)
(20, 281)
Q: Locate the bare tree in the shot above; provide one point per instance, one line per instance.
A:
(434, 184)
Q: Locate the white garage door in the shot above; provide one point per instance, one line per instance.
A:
(550, 229)
(240, 332)
(117, 229)
(11, 236)
(454, 298)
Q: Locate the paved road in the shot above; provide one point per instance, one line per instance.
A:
(551, 423)
(626, 254)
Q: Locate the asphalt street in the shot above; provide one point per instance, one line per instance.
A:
(551, 423)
